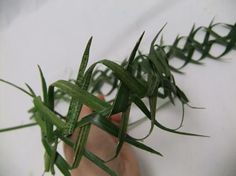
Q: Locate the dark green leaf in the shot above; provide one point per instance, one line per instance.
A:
(17, 87)
(100, 163)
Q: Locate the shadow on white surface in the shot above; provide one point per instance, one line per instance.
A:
(11, 9)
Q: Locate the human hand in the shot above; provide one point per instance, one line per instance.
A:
(103, 145)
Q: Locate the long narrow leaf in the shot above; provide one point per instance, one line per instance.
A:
(142, 107)
(18, 127)
(17, 87)
(86, 98)
(59, 160)
(126, 78)
(49, 115)
(103, 123)
(100, 163)
(76, 104)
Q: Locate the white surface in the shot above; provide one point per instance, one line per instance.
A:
(58, 30)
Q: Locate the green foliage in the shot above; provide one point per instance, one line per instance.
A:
(142, 76)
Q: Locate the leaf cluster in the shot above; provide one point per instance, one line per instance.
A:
(141, 76)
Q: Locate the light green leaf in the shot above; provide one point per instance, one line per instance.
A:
(49, 116)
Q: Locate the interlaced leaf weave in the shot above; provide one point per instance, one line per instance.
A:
(141, 76)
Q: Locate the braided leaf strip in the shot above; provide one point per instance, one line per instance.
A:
(141, 76)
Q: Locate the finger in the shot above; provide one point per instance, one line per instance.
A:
(101, 97)
(116, 118)
(86, 110)
(68, 151)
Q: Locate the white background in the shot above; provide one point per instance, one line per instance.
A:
(53, 34)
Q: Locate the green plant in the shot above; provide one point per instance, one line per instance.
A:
(141, 76)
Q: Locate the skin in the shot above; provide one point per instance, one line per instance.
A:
(103, 145)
